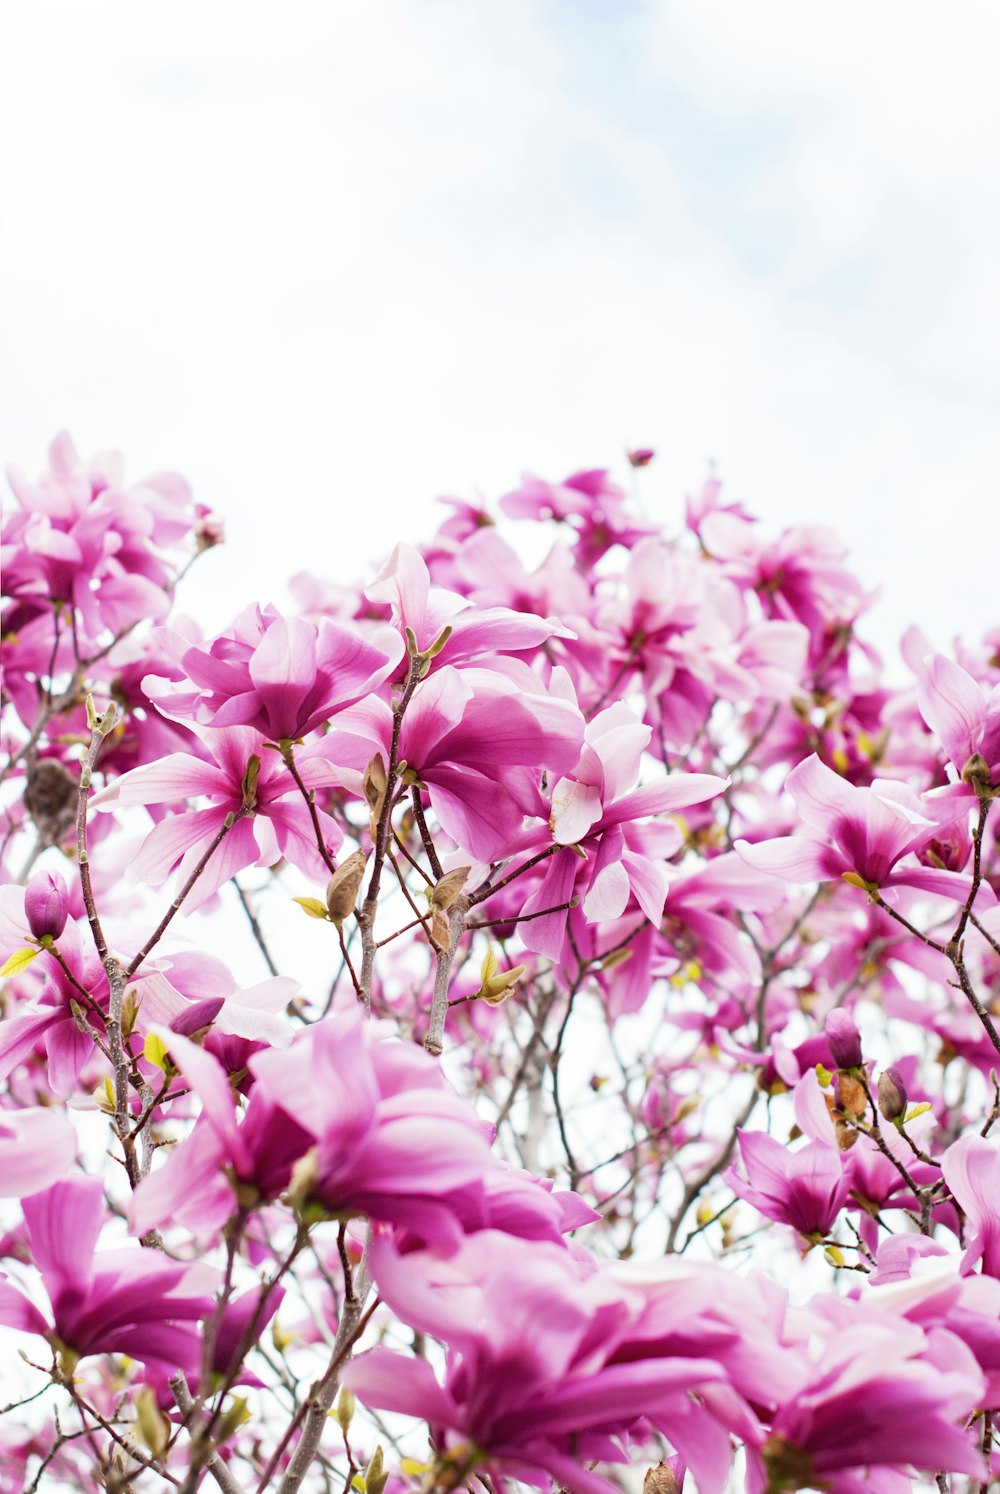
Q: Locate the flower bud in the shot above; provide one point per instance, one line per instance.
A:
(46, 905)
(343, 887)
(641, 456)
(665, 1478)
(891, 1095)
(976, 773)
(844, 1039)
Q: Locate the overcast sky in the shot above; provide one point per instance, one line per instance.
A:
(331, 259)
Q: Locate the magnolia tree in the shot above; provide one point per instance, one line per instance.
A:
(641, 1121)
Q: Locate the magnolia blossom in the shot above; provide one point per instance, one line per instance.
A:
(806, 1188)
(282, 677)
(963, 716)
(126, 1301)
(872, 830)
(256, 814)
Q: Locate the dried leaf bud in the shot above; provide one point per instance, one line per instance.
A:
(343, 887)
(851, 1095)
(46, 905)
(440, 933)
(375, 783)
(844, 1039)
(662, 1480)
(447, 890)
(845, 1135)
(891, 1095)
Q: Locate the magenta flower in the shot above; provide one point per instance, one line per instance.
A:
(884, 1395)
(404, 584)
(623, 858)
(806, 1189)
(478, 740)
(37, 1147)
(84, 539)
(48, 1021)
(128, 1301)
(282, 677)
(385, 1135)
(960, 713)
(872, 829)
(532, 1388)
(243, 780)
(971, 1169)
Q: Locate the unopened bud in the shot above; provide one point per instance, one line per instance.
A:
(209, 529)
(46, 905)
(375, 1478)
(641, 457)
(343, 887)
(236, 1414)
(250, 778)
(154, 1427)
(976, 773)
(345, 1409)
(891, 1095)
(844, 1040)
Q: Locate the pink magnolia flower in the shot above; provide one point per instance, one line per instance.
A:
(961, 714)
(971, 1167)
(883, 1397)
(622, 858)
(381, 1133)
(127, 1301)
(588, 502)
(478, 740)
(799, 576)
(404, 585)
(872, 830)
(806, 1188)
(547, 1369)
(37, 1147)
(85, 539)
(280, 676)
(245, 784)
(48, 1021)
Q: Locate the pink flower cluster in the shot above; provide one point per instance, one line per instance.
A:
(622, 924)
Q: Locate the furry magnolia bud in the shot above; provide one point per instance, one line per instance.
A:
(891, 1095)
(663, 1479)
(343, 887)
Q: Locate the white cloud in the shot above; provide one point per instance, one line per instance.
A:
(333, 265)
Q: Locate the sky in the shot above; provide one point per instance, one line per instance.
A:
(331, 260)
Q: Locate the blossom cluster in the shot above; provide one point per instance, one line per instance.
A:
(654, 932)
